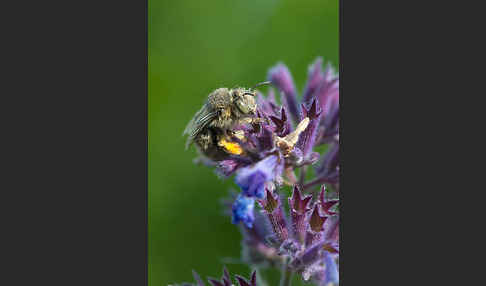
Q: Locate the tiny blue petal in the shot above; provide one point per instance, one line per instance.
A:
(243, 210)
(252, 179)
(332, 274)
(253, 185)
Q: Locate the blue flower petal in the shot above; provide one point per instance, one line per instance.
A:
(332, 274)
(252, 179)
(243, 210)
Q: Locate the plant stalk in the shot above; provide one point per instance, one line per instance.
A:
(286, 276)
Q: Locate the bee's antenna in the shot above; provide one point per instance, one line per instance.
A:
(261, 83)
(257, 85)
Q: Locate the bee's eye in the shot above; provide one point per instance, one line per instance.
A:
(242, 107)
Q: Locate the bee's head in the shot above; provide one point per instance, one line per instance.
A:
(245, 101)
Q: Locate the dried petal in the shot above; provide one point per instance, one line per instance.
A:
(271, 202)
(287, 143)
(316, 220)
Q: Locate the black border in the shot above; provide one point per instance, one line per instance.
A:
(74, 117)
(341, 177)
(76, 163)
(146, 142)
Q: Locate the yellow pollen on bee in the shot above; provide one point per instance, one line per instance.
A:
(231, 147)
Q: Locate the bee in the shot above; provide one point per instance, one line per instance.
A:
(211, 128)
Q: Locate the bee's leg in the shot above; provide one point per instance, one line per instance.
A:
(205, 139)
(240, 134)
(251, 120)
(255, 122)
(231, 134)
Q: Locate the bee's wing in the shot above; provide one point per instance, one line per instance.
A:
(200, 120)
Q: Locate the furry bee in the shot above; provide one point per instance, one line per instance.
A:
(211, 127)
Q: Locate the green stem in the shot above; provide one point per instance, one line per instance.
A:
(318, 181)
(303, 172)
(286, 275)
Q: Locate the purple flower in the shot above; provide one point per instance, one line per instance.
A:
(279, 150)
(308, 137)
(252, 179)
(331, 233)
(242, 210)
(328, 169)
(330, 123)
(314, 81)
(267, 105)
(329, 88)
(282, 125)
(280, 77)
(316, 223)
(299, 207)
(272, 207)
(326, 204)
(263, 140)
(225, 280)
(227, 167)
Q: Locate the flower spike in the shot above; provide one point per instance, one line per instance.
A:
(299, 207)
(315, 80)
(308, 137)
(270, 148)
(274, 211)
(281, 78)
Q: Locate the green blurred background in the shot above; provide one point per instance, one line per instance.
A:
(194, 47)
